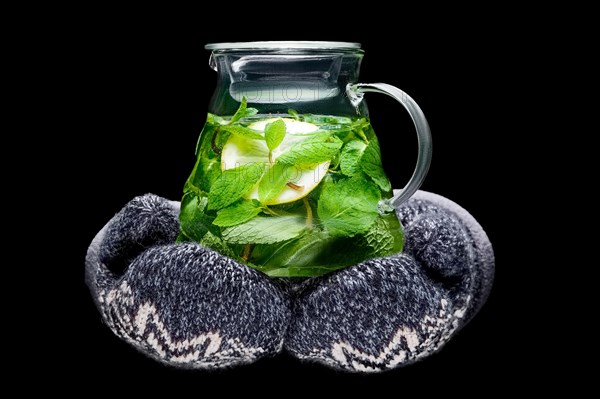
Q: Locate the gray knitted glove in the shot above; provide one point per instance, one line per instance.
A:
(191, 307)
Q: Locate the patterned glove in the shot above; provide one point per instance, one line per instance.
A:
(191, 307)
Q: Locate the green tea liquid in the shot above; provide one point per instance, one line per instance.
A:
(290, 195)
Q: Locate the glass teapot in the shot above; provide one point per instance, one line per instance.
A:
(288, 177)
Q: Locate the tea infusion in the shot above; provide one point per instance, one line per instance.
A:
(289, 195)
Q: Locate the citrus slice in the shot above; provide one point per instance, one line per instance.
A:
(239, 151)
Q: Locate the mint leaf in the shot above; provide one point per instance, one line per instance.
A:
(242, 112)
(237, 213)
(379, 238)
(215, 119)
(311, 254)
(348, 207)
(317, 148)
(274, 133)
(243, 132)
(370, 163)
(273, 182)
(233, 184)
(209, 170)
(207, 132)
(304, 271)
(213, 242)
(294, 114)
(316, 253)
(350, 157)
(299, 252)
(395, 229)
(360, 124)
(326, 119)
(221, 138)
(181, 237)
(265, 230)
(192, 217)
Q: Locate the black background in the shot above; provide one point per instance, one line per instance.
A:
(141, 92)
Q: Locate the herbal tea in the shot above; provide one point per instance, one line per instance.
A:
(289, 195)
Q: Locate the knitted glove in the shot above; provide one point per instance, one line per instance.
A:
(191, 307)
(393, 311)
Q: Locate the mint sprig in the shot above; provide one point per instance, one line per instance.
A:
(265, 230)
(237, 213)
(351, 156)
(274, 181)
(242, 132)
(348, 207)
(233, 184)
(193, 218)
(242, 112)
(317, 148)
(274, 133)
(370, 163)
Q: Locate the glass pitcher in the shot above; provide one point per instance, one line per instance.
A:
(288, 177)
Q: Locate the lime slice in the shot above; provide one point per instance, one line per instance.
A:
(239, 151)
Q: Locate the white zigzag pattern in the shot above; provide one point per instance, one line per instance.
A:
(217, 352)
(438, 328)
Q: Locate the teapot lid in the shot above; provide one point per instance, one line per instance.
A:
(281, 45)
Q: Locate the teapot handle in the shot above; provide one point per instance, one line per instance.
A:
(355, 93)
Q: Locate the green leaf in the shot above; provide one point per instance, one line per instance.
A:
(232, 184)
(237, 213)
(250, 112)
(294, 114)
(350, 157)
(370, 163)
(181, 238)
(326, 119)
(242, 112)
(317, 148)
(221, 138)
(307, 271)
(379, 238)
(274, 133)
(273, 182)
(348, 207)
(205, 134)
(395, 229)
(208, 166)
(360, 124)
(316, 253)
(299, 252)
(215, 119)
(192, 216)
(265, 230)
(313, 253)
(243, 132)
(208, 171)
(213, 242)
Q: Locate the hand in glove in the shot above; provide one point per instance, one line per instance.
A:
(191, 307)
